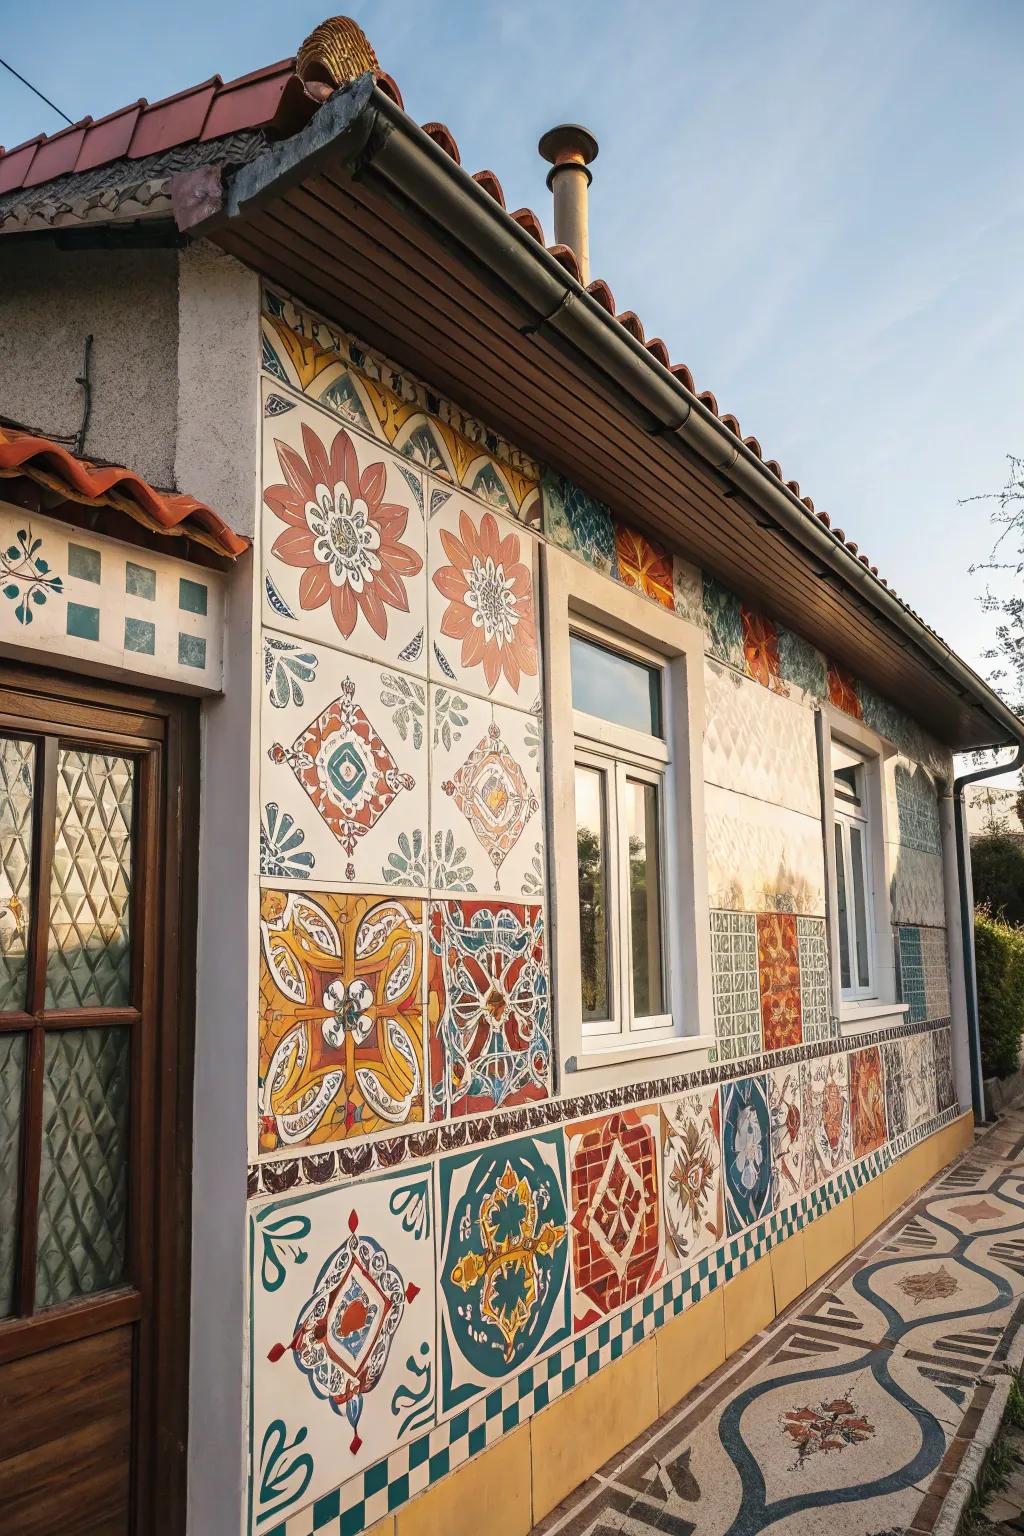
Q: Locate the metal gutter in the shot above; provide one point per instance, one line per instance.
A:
(363, 129)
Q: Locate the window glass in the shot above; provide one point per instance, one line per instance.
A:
(614, 687)
(645, 897)
(860, 915)
(843, 917)
(592, 861)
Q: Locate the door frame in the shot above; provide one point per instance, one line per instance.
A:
(161, 1129)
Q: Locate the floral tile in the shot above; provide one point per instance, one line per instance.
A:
(724, 623)
(482, 620)
(746, 1152)
(825, 1089)
(643, 565)
(691, 1162)
(341, 1017)
(761, 650)
(485, 793)
(504, 1265)
(344, 770)
(842, 691)
(895, 1089)
(919, 1079)
(734, 988)
(778, 966)
(815, 984)
(355, 1264)
(489, 1044)
(785, 1110)
(687, 590)
(344, 540)
(802, 667)
(577, 522)
(867, 1101)
(615, 1204)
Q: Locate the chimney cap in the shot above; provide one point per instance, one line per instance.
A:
(568, 144)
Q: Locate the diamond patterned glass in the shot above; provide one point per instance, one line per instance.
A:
(12, 1065)
(83, 1181)
(17, 768)
(89, 953)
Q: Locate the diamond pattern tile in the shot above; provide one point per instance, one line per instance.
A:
(89, 959)
(83, 1181)
(918, 896)
(12, 1062)
(758, 743)
(17, 765)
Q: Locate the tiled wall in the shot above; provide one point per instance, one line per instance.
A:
(439, 1244)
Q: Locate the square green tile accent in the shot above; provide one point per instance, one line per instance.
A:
(83, 563)
(191, 595)
(139, 581)
(83, 621)
(140, 635)
(192, 650)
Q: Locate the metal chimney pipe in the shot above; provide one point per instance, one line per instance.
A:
(570, 150)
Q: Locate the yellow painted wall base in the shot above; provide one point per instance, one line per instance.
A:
(516, 1482)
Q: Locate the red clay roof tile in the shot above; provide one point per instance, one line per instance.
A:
(110, 138)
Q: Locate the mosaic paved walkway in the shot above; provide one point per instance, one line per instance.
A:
(850, 1415)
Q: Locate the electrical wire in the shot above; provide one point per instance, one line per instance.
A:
(11, 70)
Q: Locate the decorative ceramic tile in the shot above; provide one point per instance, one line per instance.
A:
(905, 733)
(895, 1089)
(802, 667)
(724, 624)
(489, 1043)
(935, 966)
(918, 894)
(842, 691)
(761, 650)
(482, 628)
(815, 982)
(735, 996)
(919, 1079)
(344, 540)
(917, 808)
(825, 1087)
(345, 760)
(341, 1016)
(867, 1101)
(758, 744)
(785, 1109)
(691, 1170)
(643, 565)
(945, 1085)
(579, 523)
(505, 1261)
(342, 1286)
(762, 858)
(687, 591)
(746, 1152)
(778, 968)
(910, 973)
(485, 798)
(615, 1211)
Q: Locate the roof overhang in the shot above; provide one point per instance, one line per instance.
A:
(365, 217)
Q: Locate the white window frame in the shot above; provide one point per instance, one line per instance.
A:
(845, 820)
(578, 599)
(877, 1006)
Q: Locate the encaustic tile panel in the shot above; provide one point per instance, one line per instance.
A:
(746, 1152)
(691, 1160)
(825, 1088)
(342, 1341)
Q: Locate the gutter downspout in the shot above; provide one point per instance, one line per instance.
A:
(967, 919)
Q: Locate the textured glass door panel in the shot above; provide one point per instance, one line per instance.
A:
(12, 1069)
(83, 1181)
(17, 771)
(89, 956)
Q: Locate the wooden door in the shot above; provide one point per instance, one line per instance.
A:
(97, 790)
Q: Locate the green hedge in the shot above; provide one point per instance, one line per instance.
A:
(999, 949)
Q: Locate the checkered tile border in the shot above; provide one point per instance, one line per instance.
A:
(413, 1468)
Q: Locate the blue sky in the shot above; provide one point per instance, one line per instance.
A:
(819, 206)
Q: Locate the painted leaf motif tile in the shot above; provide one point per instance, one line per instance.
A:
(691, 1162)
(785, 1109)
(342, 1286)
(615, 1196)
(778, 964)
(919, 1079)
(825, 1089)
(489, 1021)
(481, 602)
(895, 1089)
(341, 1016)
(504, 1279)
(643, 565)
(485, 798)
(344, 539)
(867, 1101)
(746, 1152)
(345, 772)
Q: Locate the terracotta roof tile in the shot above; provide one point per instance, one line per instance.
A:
(110, 138)
(26, 455)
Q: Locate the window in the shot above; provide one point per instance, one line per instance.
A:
(621, 783)
(855, 929)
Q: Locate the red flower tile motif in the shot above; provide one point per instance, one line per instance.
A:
(778, 971)
(341, 533)
(642, 565)
(616, 1253)
(867, 1101)
(761, 650)
(842, 691)
(490, 600)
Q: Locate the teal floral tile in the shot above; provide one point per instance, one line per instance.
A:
(801, 665)
(724, 623)
(579, 523)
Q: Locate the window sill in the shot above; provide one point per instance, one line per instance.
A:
(856, 1018)
(684, 1046)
